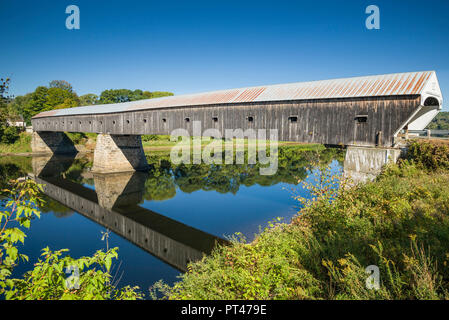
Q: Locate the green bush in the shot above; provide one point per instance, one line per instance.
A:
(429, 155)
(9, 135)
(76, 137)
(150, 137)
(22, 144)
(48, 279)
(399, 222)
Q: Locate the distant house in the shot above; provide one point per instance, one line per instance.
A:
(16, 122)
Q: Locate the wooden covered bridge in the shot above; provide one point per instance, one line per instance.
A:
(362, 111)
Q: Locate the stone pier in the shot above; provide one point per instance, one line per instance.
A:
(44, 142)
(364, 163)
(119, 153)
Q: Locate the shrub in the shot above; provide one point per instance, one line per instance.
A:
(150, 137)
(48, 280)
(429, 155)
(9, 135)
(399, 222)
(76, 137)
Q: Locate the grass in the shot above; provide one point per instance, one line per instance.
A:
(149, 143)
(164, 142)
(21, 145)
(399, 223)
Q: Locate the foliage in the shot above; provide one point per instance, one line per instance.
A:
(430, 155)
(61, 84)
(125, 95)
(16, 105)
(48, 279)
(150, 137)
(20, 208)
(58, 95)
(4, 98)
(399, 222)
(9, 135)
(440, 122)
(76, 137)
(88, 99)
(20, 145)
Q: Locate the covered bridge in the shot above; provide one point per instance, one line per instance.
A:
(366, 111)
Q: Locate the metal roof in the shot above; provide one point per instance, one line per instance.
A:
(410, 83)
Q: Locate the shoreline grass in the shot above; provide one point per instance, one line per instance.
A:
(86, 143)
(399, 223)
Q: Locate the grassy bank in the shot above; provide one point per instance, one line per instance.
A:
(21, 145)
(399, 222)
(86, 142)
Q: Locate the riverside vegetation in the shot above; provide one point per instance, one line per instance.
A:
(398, 222)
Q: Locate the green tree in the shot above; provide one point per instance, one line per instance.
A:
(7, 134)
(59, 98)
(125, 95)
(88, 99)
(158, 94)
(15, 107)
(440, 122)
(4, 98)
(58, 95)
(61, 84)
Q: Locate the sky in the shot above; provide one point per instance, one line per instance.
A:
(198, 46)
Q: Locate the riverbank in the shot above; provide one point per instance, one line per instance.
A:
(85, 143)
(399, 223)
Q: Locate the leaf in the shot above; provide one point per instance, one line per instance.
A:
(108, 263)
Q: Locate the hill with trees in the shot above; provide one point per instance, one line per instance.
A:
(440, 122)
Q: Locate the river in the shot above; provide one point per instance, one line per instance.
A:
(163, 218)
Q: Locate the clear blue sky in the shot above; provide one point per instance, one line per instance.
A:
(194, 46)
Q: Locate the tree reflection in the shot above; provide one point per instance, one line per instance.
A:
(164, 178)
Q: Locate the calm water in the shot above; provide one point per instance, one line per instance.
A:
(163, 218)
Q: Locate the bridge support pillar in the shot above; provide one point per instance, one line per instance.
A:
(119, 153)
(365, 163)
(45, 142)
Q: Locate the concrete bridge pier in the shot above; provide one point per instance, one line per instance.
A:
(365, 163)
(119, 153)
(46, 142)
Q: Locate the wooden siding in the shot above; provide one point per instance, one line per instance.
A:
(327, 121)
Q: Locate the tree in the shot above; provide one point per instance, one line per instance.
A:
(58, 95)
(59, 98)
(125, 95)
(158, 94)
(116, 96)
(61, 84)
(4, 98)
(15, 107)
(7, 134)
(88, 99)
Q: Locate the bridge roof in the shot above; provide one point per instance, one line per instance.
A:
(410, 83)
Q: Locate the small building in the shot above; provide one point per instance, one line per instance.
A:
(16, 121)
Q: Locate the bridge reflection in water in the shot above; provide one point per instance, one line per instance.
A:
(114, 205)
